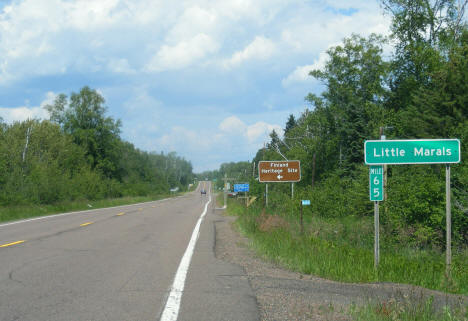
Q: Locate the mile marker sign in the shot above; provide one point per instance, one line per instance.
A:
(279, 171)
(376, 183)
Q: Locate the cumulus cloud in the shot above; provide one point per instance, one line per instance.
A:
(255, 133)
(260, 131)
(50, 37)
(154, 44)
(187, 141)
(11, 115)
(233, 137)
(193, 21)
(232, 124)
(183, 53)
(22, 113)
(301, 73)
(119, 65)
(260, 48)
(231, 131)
(54, 37)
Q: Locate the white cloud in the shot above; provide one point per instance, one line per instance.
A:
(49, 98)
(22, 113)
(255, 133)
(182, 54)
(120, 45)
(54, 37)
(260, 131)
(50, 37)
(186, 140)
(301, 73)
(233, 137)
(232, 124)
(11, 115)
(260, 48)
(193, 21)
(119, 65)
(302, 35)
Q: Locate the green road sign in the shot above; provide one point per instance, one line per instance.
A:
(417, 151)
(376, 183)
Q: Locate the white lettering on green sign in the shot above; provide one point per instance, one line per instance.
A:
(422, 151)
(376, 189)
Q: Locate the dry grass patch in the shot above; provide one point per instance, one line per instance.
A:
(268, 223)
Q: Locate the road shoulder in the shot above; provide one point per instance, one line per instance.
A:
(286, 295)
(216, 289)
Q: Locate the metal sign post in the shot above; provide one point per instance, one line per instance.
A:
(226, 187)
(376, 194)
(376, 235)
(448, 220)
(302, 222)
(243, 188)
(303, 203)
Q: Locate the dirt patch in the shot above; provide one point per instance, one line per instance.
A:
(267, 223)
(286, 295)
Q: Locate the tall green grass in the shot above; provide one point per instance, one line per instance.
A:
(12, 213)
(407, 311)
(344, 252)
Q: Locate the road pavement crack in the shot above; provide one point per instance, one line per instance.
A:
(11, 274)
(11, 278)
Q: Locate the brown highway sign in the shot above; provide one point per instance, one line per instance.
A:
(279, 171)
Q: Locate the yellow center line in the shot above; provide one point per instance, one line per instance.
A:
(140, 209)
(87, 223)
(121, 213)
(13, 243)
(153, 206)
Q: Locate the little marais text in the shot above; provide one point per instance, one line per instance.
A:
(421, 151)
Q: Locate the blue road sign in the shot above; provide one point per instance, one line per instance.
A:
(241, 187)
(305, 202)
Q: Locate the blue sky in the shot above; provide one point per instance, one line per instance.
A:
(208, 79)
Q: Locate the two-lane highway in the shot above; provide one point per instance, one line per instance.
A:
(107, 264)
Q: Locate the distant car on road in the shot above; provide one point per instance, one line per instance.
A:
(203, 191)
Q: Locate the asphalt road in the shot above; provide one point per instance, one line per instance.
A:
(119, 264)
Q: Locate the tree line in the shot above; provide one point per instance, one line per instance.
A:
(420, 90)
(78, 154)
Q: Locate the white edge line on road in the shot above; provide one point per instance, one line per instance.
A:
(85, 211)
(171, 309)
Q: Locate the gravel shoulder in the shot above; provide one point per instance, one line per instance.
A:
(286, 295)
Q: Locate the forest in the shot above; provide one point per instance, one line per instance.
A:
(78, 154)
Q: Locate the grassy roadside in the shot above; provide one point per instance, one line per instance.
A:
(344, 251)
(406, 311)
(19, 212)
